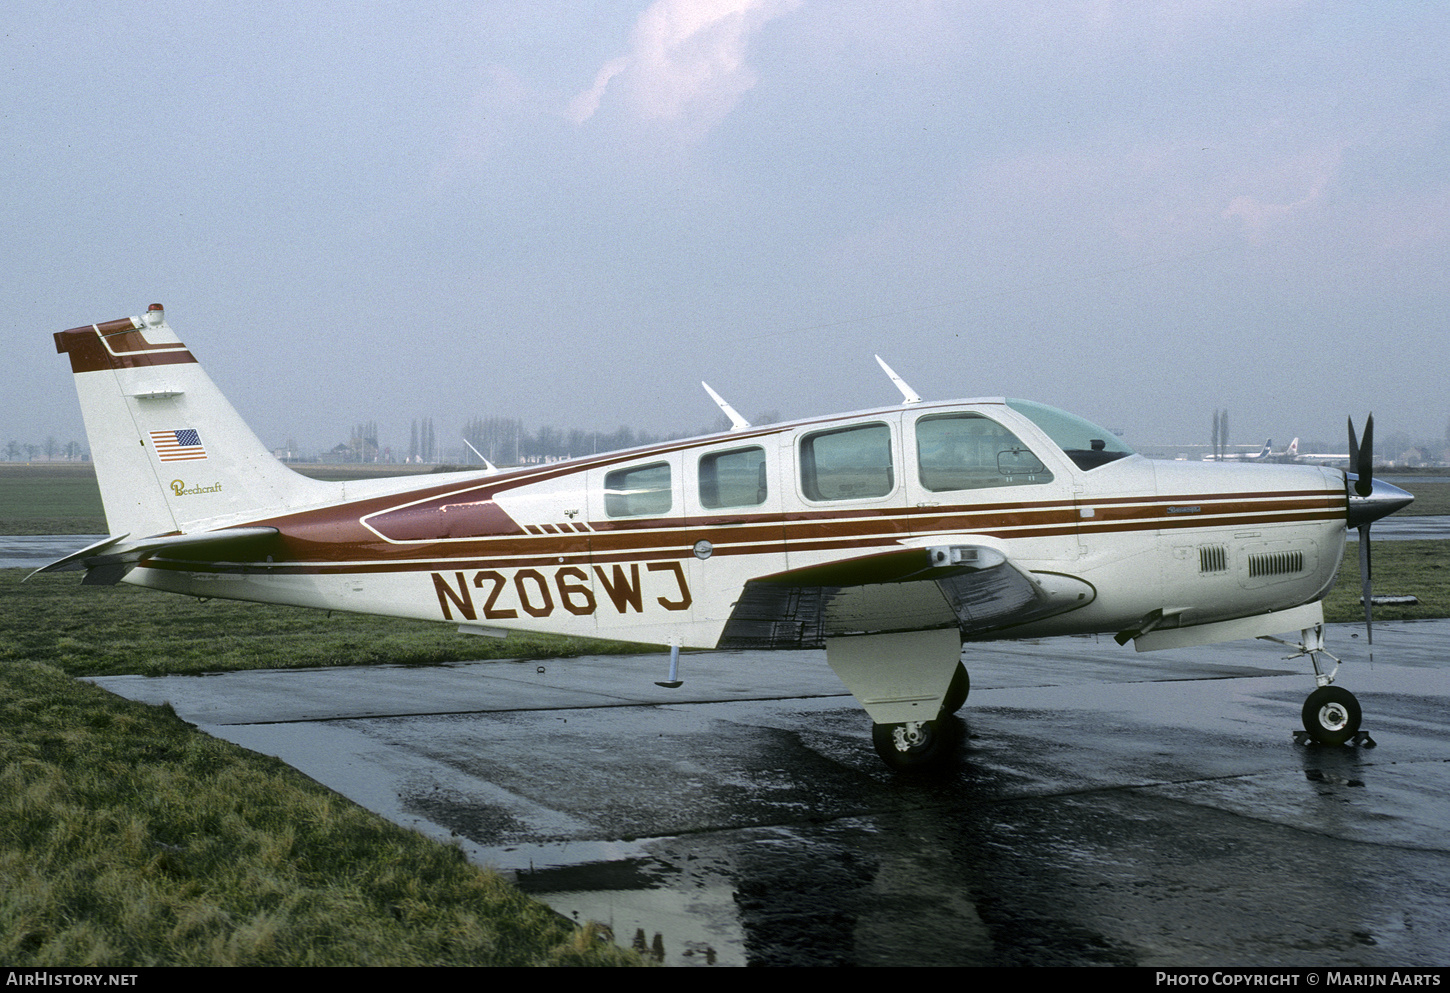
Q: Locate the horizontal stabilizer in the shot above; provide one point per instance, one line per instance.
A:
(108, 560)
(75, 560)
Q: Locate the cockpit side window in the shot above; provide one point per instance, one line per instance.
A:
(639, 491)
(967, 451)
(1088, 445)
(847, 463)
(733, 479)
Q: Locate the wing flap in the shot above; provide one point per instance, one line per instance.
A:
(974, 588)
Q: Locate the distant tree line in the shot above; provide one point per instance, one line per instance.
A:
(505, 441)
(52, 450)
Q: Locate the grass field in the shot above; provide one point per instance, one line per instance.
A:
(50, 498)
(1421, 568)
(128, 838)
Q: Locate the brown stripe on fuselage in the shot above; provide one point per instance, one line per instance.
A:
(335, 541)
(1212, 523)
(524, 556)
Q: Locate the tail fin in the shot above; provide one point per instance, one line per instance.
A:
(171, 453)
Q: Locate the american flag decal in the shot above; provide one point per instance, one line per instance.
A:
(183, 445)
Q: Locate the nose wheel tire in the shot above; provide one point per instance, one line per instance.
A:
(1331, 715)
(915, 747)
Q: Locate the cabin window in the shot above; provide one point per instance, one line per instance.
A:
(968, 451)
(641, 491)
(733, 479)
(847, 464)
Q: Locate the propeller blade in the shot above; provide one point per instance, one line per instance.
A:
(1361, 461)
(1366, 456)
(1365, 585)
(1361, 457)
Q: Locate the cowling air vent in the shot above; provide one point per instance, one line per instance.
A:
(1275, 564)
(1212, 558)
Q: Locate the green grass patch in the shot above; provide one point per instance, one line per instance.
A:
(128, 838)
(112, 630)
(1421, 568)
(50, 498)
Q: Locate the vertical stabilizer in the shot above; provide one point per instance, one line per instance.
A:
(171, 453)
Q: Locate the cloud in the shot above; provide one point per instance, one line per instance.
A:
(583, 106)
(686, 61)
(1308, 175)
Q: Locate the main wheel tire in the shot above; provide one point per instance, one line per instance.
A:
(904, 750)
(1331, 715)
(957, 691)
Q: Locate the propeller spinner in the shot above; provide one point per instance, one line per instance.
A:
(1369, 500)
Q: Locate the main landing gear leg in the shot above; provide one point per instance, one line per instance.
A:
(906, 682)
(1331, 714)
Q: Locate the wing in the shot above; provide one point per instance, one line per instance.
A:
(974, 588)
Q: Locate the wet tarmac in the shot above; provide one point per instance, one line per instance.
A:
(1108, 808)
(31, 551)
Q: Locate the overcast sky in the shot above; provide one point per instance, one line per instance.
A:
(571, 213)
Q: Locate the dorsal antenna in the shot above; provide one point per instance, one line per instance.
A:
(907, 393)
(737, 423)
(486, 463)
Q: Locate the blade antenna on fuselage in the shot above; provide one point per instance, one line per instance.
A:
(907, 393)
(486, 463)
(737, 423)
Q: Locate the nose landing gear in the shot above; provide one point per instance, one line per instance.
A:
(1331, 713)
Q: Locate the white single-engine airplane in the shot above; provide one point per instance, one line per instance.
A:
(888, 537)
(1263, 453)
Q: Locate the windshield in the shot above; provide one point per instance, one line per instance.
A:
(1088, 445)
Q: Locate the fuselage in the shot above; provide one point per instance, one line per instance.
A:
(656, 544)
